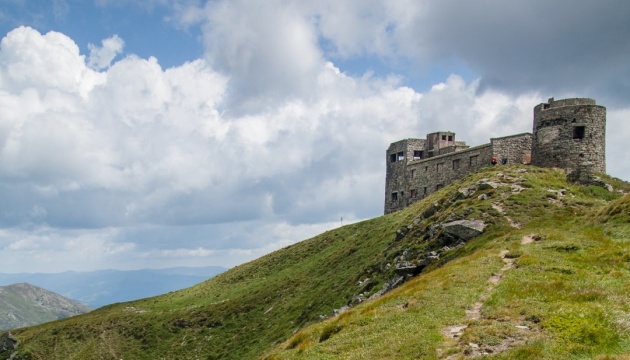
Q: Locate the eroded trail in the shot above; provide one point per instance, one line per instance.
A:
(457, 349)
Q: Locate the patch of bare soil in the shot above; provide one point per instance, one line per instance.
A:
(528, 239)
(501, 209)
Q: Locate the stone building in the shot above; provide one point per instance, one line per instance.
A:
(568, 134)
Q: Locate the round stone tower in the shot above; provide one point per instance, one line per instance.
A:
(570, 134)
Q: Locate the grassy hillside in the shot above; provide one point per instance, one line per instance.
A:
(548, 278)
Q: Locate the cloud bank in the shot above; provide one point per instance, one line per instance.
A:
(264, 141)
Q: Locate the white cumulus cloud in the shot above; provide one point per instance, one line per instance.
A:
(101, 57)
(118, 162)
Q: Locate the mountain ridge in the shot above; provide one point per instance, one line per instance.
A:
(24, 304)
(103, 287)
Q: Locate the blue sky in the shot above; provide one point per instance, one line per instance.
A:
(144, 27)
(192, 133)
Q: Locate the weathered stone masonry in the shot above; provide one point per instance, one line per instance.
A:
(568, 134)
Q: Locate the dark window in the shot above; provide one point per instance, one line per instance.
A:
(425, 190)
(413, 173)
(401, 156)
(413, 193)
(443, 137)
(578, 132)
(394, 196)
(473, 160)
(455, 164)
(450, 138)
(545, 106)
(439, 186)
(418, 154)
(426, 168)
(392, 157)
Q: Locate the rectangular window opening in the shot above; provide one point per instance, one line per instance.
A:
(418, 154)
(401, 156)
(394, 196)
(425, 190)
(443, 137)
(392, 157)
(578, 132)
(439, 186)
(450, 138)
(413, 173)
(473, 160)
(413, 193)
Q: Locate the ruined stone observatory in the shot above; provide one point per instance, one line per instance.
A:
(567, 134)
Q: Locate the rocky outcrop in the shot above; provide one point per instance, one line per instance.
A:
(8, 344)
(464, 229)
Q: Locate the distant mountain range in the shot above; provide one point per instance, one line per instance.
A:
(25, 305)
(99, 288)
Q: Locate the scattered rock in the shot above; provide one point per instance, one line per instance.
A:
(389, 284)
(584, 175)
(341, 310)
(431, 210)
(560, 192)
(485, 184)
(482, 197)
(400, 233)
(8, 342)
(463, 193)
(464, 229)
(408, 269)
(357, 299)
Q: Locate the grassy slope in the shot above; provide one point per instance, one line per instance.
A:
(570, 288)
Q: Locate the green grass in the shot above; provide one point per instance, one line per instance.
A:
(570, 289)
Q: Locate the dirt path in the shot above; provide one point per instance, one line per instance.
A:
(501, 209)
(453, 333)
(474, 313)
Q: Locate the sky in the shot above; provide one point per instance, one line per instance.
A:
(155, 133)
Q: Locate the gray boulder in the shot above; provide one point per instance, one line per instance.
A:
(464, 229)
(8, 342)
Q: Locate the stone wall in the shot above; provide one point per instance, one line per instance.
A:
(514, 149)
(397, 156)
(416, 179)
